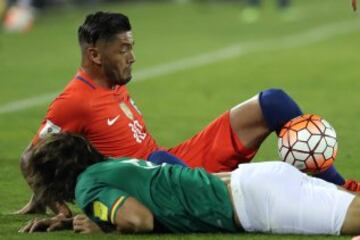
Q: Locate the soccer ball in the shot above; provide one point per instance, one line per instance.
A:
(18, 19)
(309, 143)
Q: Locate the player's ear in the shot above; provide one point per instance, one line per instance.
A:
(93, 55)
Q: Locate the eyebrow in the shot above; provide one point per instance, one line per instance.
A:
(128, 43)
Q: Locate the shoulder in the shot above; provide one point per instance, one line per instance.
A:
(77, 90)
(84, 189)
(75, 98)
(90, 177)
(96, 182)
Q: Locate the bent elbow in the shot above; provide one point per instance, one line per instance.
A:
(137, 224)
(134, 217)
(144, 224)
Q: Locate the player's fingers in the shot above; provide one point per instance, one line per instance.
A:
(40, 225)
(55, 227)
(85, 231)
(24, 228)
(78, 228)
(86, 226)
(35, 227)
(27, 227)
(80, 217)
(78, 222)
(77, 218)
(82, 228)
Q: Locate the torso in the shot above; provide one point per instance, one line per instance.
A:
(108, 118)
(182, 199)
(116, 127)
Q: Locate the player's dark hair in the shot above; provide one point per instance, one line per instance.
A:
(55, 164)
(102, 26)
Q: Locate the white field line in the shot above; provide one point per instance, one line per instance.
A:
(307, 37)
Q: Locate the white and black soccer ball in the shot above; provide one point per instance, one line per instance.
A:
(309, 143)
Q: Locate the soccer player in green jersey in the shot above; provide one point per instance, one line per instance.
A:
(136, 196)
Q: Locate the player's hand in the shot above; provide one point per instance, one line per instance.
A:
(59, 222)
(83, 224)
(60, 208)
(352, 185)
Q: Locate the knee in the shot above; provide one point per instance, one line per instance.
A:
(274, 93)
(278, 108)
(274, 98)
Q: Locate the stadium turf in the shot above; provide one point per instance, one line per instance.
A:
(206, 61)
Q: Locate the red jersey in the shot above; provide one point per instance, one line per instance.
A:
(108, 118)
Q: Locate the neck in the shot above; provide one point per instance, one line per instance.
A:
(97, 76)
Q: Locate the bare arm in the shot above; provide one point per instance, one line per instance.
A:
(134, 217)
(131, 217)
(58, 222)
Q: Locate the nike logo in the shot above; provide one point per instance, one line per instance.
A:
(111, 122)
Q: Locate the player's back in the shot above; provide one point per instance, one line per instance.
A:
(182, 199)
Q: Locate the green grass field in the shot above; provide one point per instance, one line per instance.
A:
(206, 60)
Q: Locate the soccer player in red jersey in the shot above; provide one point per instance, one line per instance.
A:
(97, 105)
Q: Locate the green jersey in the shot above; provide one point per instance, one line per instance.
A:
(181, 199)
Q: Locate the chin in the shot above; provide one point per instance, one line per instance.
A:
(123, 81)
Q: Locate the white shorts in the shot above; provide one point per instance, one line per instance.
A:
(275, 197)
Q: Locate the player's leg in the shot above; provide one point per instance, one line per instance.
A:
(351, 224)
(235, 136)
(216, 148)
(247, 121)
(83, 224)
(268, 111)
(275, 197)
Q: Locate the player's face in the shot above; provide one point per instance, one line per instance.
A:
(117, 58)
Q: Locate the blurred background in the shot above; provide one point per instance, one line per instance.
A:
(19, 15)
(195, 59)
